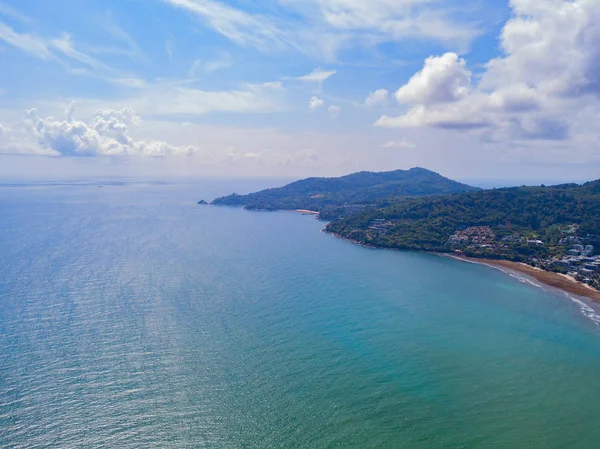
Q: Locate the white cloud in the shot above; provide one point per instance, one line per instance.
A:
(132, 83)
(392, 18)
(9, 11)
(233, 156)
(546, 83)
(20, 142)
(265, 90)
(106, 135)
(323, 27)
(272, 85)
(379, 97)
(132, 49)
(334, 111)
(65, 45)
(398, 144)
(237, 25)
(443, 79)
(317, 76)
(451, 116)
(315, 103)
(180, 100)
(51, 49)
(302, 157)
(29, 43)
(224, 61)
(389, 20)
(177, 100)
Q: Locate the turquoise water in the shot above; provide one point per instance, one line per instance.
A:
(132, 318)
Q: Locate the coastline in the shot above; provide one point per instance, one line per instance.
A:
(556, 280)
(356, 242)
(563, 282)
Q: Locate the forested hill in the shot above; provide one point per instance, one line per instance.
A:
(358, 188)
(547, 214)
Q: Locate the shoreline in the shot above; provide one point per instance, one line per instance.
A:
(551, 279)
(559, 281)
(355, 242)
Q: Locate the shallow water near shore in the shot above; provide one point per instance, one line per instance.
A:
(131, 317)
(589, 307)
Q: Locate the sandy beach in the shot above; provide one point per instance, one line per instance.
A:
(556, 280)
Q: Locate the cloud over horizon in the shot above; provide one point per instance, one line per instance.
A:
(106, 135)
(250, 87)
(549, 71)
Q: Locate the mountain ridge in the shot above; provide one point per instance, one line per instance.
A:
(361, 188)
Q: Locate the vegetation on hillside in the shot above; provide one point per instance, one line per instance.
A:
(332, 195)
(517, 217)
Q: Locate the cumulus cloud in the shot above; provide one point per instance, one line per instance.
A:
(443, 79)
(106, 135)
(549, 73)
(334, 111)
(17, 141)
(315, 103)
(378, 97)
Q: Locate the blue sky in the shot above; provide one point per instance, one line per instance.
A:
(491, 89)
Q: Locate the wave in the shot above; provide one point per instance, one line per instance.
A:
(521, 278)
(588, 311)
(584, 308)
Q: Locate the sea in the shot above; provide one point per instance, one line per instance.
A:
(131, 317)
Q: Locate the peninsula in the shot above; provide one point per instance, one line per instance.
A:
(550, 233)
(337, 197)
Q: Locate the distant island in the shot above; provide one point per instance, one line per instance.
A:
(552, 233)
(336, 197)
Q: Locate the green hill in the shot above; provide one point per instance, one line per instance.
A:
(364, 188)
(553, 217)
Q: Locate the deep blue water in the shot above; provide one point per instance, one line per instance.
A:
(132, 318)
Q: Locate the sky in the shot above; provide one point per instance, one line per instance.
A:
(485, 89)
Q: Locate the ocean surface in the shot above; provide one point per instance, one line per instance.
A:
(130, 317)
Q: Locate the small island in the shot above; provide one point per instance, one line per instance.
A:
(203, 203)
